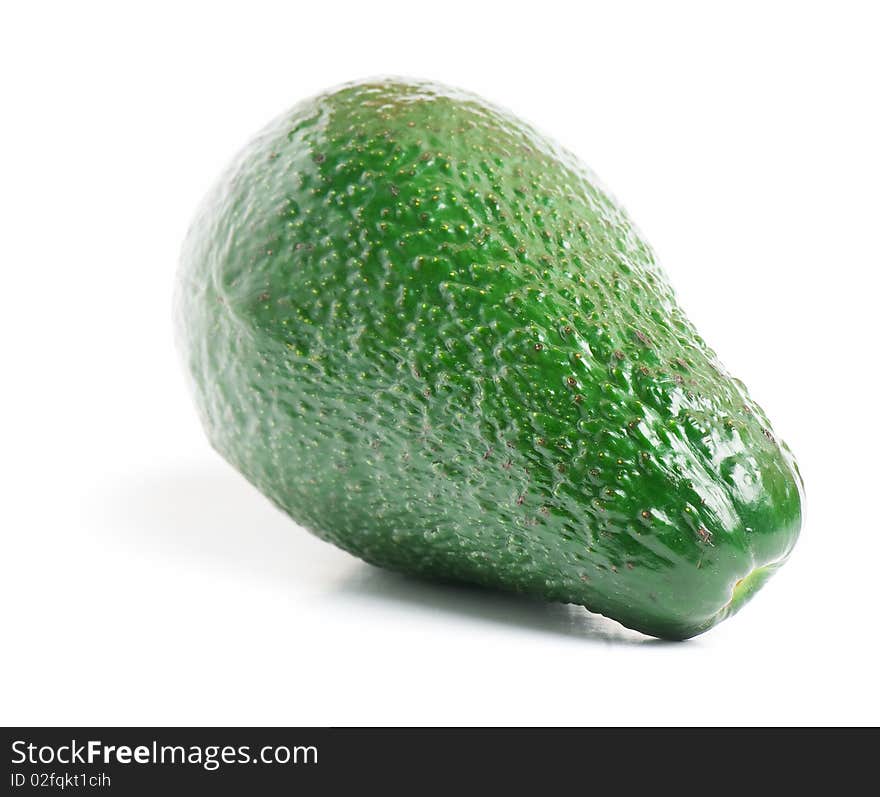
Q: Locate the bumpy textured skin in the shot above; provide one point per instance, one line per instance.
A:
(428, 334)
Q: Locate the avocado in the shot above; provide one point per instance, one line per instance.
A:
(427, 333)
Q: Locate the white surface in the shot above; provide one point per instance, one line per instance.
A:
(144, 581)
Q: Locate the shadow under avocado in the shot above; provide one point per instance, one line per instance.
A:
(374, 585)
(209, 516)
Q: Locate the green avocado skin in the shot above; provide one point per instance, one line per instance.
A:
(429, 335)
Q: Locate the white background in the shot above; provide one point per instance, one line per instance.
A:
(144, 581)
